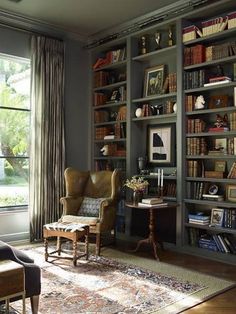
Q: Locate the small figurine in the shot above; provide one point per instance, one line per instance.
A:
(104, 150)
(170, 38)
(143, 45)
(199, 103)
(221, 121)
(158, 39)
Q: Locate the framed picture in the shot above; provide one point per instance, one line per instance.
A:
(161, 144)
(220, 144)
(217, 215)
(218, 101)
(220, 165)
(153, 81)
(231, 192)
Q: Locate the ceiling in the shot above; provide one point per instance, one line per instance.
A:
(83, 17)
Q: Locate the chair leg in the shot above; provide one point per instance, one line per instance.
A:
(98, 243)
(34, 300)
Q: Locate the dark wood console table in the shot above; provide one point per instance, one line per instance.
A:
(152, 237)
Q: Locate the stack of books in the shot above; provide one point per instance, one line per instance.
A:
(218, 80)
(199, 218)
(152, 202)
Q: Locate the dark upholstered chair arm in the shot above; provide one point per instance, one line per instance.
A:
(71, 205)
(32, 271)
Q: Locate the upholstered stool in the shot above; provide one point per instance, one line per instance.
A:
(71, 231)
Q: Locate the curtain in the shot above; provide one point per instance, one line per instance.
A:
(47, 162)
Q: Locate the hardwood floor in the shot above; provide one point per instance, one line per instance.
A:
(224, 303)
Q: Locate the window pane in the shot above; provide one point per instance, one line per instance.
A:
(14, 84)
(14, 181)
(14, 132)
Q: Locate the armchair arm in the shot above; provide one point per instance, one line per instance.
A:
(71, 205)
(107, 214)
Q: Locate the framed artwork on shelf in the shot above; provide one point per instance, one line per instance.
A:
(218, 101)
(161, 144)
(220, 165)
(231, 192)
(154, 80)
(217, 215)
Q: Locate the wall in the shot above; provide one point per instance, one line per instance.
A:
(76, 104)
(15, 226)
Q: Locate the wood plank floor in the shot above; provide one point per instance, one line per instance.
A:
(224, 303)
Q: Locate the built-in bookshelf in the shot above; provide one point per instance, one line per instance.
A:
(209, 82)
(196, 65)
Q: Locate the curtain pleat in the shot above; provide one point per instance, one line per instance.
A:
(47, 163)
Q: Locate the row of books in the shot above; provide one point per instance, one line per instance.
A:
(195, 125)
(196, 146)
(110, 164)
(100, 98)
(170, 84)
(110, 57)
(232, 121)
(194, 79)
(200, 53)
(190, 102)
(224, 243)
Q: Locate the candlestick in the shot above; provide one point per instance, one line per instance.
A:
(158, 177)
(161, 177)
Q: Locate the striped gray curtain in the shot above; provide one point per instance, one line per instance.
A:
(47, 161)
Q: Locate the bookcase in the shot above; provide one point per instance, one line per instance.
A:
(209, 56)
(194, 57)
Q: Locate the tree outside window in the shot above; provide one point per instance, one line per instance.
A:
(14, 132)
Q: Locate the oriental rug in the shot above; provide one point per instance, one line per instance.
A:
(119, 283)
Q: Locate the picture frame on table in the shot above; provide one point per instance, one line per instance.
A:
(161, 144)
(154, 80)
(217, 216)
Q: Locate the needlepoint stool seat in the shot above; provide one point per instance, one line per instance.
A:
(72, 231)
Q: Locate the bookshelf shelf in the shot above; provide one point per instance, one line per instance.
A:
(210, 63)
(211, 157)
(216, 180)
(217, 134)
(211, 111)
(109, 158)
(171, 116)
(151, 98)
(210, 203)
(208, 88)
(152, 54)
(111, 140)
(111, 66)
(212, 229)
(109, 105)
(109, 123)
(109, 87)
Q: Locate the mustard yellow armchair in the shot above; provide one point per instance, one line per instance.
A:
(91, 198)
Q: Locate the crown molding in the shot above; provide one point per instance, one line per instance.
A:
(34, 26)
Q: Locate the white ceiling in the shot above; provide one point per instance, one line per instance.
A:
(83, 17)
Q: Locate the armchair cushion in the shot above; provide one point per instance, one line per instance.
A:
(90, 207)
(80, 219)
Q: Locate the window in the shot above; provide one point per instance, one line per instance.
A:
(14, 132)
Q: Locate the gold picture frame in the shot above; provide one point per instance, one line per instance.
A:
(154, 80)
(231, 192)
(220, 165)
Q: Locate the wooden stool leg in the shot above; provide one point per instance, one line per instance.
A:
(74, 252)
(23, 304)
(46, 249)
(7, 305)
(98, 243)
(59, 245)
(86, 245)
(34, 300)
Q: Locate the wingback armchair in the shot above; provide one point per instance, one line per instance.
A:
(91, 198)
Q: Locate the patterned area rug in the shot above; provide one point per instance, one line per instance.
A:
(105, 285)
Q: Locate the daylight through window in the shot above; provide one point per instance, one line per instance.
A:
(14, 132)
